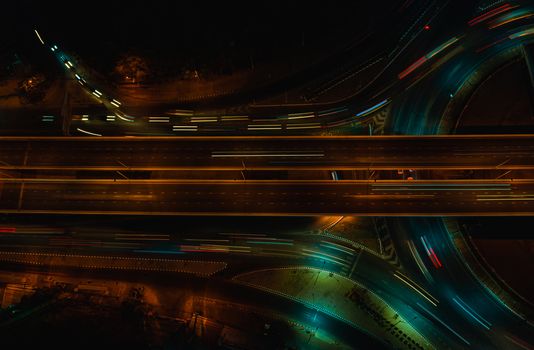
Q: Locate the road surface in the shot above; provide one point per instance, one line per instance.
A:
(270, 153)
(265, 197)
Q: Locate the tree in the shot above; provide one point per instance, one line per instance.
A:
(32, 89)
(132, 69)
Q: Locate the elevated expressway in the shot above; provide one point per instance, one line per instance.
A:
(269, 153)
(39, 175)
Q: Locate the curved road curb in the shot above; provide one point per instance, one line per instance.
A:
(495, 286)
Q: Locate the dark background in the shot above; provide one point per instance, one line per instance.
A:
(222, 36)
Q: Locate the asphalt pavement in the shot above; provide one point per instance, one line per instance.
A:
(270, 153)
(264, 197)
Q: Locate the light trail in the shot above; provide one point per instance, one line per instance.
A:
(332, 111)
(320, 257)
(300, 116)
(472, 313)
(337, 247)
(184, 128)
(431, 254)
(373, 108)
(441, 47)
(519, 342)
(419, 290)
(229, 118)
(206, 240)
(419, 261)
(203, 119)
(511, 17)
(158, 119)
(270, 242)
(412, 67)
(329, 257)
(39, 36)
(232, 154)
(427, 57)
(123, 117)
(264, 127)
(181, 112)
(444, 324)
(303, 126)
(522, 33)
(490, 14)
(88, 132)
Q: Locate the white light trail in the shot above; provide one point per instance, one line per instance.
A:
(38, 36)
(88, 132)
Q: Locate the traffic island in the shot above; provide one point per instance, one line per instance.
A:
(341, 298)
(355, 230)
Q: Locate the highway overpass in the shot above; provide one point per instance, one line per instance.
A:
(59, 191)
(282, 197)
(269, 153)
